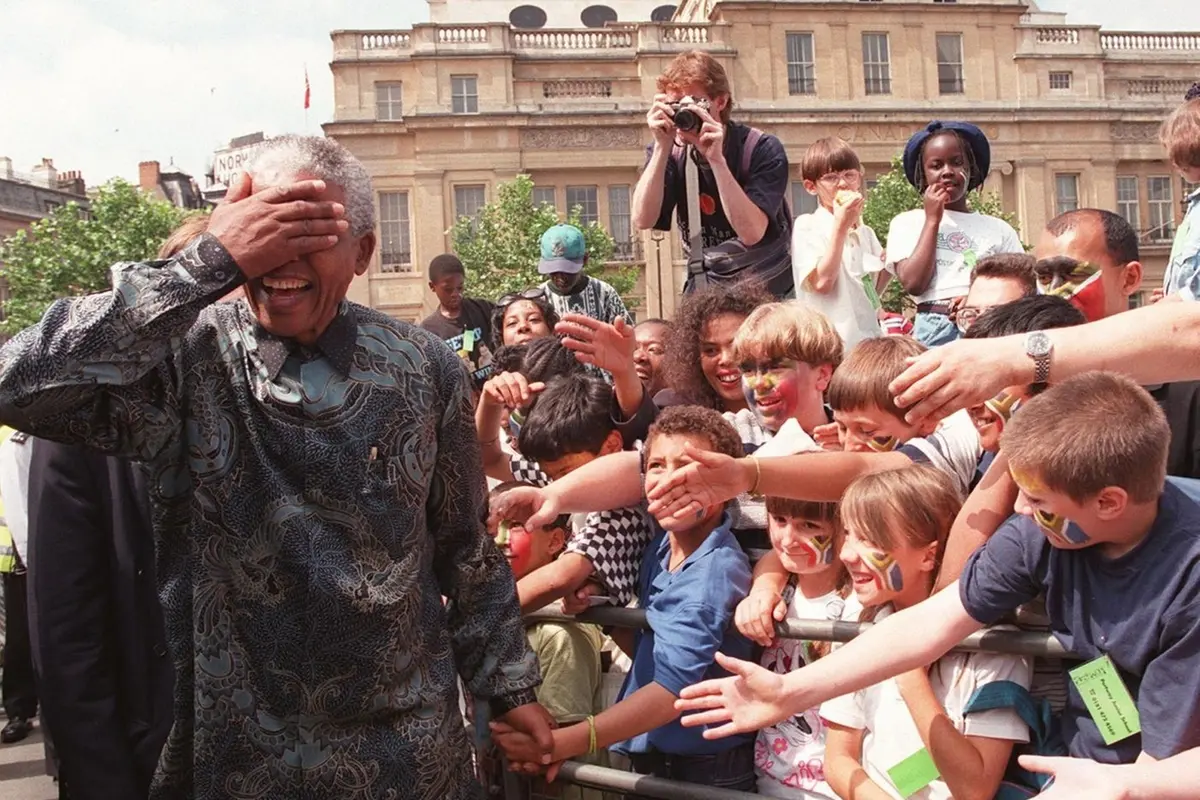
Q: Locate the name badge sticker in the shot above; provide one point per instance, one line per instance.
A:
(914, 773)
(1107, 699)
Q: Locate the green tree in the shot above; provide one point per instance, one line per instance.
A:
(892, 196)
(500, 248)
(69, 253)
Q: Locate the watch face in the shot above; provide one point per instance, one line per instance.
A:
(1038, 344)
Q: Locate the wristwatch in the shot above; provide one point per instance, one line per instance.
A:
(1039, 347)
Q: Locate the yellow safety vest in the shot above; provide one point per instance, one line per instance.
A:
(8, 550)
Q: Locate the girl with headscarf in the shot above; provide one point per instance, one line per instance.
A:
(932, 249)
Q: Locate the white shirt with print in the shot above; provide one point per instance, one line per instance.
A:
(953, 448)
(892, 736)
(963, 239)
(847, 306)
(789, 758)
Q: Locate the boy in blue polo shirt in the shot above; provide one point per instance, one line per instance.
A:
(693, 576)
(1114, 546)
(570, 289)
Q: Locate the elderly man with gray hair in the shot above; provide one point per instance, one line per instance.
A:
(316, 490)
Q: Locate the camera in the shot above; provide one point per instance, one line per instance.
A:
(684, 117)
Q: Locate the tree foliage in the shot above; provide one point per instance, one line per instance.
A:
(500, 248)
(69, 253)
(892, 196)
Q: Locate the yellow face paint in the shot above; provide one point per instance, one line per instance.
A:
(883, 444)
(1027, 482)
(1003, 405)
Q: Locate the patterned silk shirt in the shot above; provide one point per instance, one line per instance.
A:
(312, 507)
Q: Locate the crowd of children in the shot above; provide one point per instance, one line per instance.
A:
(749, 464)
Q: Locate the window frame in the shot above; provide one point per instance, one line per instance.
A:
(958, 85)
(1164, 230)
(1126, 205)
(1070, 76)
(877, 72)
(403, 232)
(585, 218)
(620, 222)
(801, 74)
(1063, 204)
(464, 102)
(395, 106)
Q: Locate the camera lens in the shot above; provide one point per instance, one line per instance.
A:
(687, 120)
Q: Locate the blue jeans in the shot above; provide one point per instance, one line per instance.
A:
(731, 769)
(932, 330)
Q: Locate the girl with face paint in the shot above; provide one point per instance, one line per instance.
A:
(896, 524)
(789, 757)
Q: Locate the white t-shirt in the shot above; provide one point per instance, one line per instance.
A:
(953, 448)
(789, 758)
(848, 306)
(892, 736)
(15, 454)
(963, 239)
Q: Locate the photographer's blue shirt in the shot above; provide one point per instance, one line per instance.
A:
(1141, 609)
(766, 186)
(690, 613)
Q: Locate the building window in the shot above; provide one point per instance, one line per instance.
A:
(395, 246)
(802, 71)
(1060, 81)
(468, 200)
(585, 198)
(388, 98)
(1162, 208)
(877, 68)
(619, 223)
(802, 201)
(950, 63)
(1066, 193)
(544, 196)
(1129, 204)
(464, 94)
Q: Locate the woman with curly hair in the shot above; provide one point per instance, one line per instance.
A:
(700, 367)
(520, 317)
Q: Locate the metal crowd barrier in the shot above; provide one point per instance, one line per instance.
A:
(1011, 642)
(1021, 643)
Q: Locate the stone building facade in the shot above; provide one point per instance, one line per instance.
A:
(442, 113)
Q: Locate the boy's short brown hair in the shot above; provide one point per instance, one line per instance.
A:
(697, 421)
(1013, 266)
(788, 330)
(831, 154)
(1180, 135)
(695, 67)
(862, 379)
(1090, 432)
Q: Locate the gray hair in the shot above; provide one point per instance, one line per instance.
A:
(282, 158)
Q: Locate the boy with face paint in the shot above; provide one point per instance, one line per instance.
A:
(932, 249)
(1112, 543)
(568, 653)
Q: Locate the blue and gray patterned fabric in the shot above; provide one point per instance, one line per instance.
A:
(312, 508)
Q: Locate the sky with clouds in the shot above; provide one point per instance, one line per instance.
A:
(100, 86)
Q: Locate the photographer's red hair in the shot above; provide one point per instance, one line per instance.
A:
(695, 68)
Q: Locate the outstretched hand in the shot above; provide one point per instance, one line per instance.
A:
(711, 479)
(265, 230)
(1077, 778)
(959, 375)
(746, 701)
(530, 506)
(607, 346)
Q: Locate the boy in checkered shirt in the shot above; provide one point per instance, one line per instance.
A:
(569, 425)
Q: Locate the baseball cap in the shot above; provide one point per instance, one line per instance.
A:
(563, 250)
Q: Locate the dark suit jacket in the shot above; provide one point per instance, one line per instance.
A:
(96, 622)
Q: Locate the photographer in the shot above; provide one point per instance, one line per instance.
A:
(744, 219)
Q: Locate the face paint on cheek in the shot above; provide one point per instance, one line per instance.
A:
(887, 571)
(818, 548)
(1027, 482)
(1003, 405)
(883, 444)
(1060, 530)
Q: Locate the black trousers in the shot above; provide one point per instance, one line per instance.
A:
(19, 689)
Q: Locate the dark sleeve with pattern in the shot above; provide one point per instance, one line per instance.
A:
(483, 617)
(615, 542)
(100, 370)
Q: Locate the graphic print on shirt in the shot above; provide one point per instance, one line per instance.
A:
(475, 354)
(793, 735)
(960, 244)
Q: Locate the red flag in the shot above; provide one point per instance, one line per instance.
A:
(307, 90)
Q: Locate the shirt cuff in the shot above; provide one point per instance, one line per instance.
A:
(505, 703)
(210, 264)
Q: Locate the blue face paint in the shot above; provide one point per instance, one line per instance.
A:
(1060, 530)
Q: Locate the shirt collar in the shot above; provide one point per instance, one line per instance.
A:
(336, 344)
(714, 540)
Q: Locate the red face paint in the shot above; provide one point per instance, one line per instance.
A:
(517, 545)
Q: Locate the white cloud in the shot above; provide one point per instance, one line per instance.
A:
(100, 86)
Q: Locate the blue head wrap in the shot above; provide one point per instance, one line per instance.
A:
(974, 138)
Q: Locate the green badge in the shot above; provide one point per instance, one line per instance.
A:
(914, 773)
(970, 259)
(1107, 700)
(469, 340)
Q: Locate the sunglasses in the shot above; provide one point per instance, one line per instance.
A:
(528, 294)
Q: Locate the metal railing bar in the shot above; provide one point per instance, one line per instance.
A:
(615, 780)
(1024, 643)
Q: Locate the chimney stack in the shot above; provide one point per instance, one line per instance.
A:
(148, 173)
(72, 182)
(45, 174)
(6, 170)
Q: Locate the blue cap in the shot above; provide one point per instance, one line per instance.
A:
(563, 250)
(975, 139)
